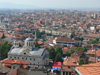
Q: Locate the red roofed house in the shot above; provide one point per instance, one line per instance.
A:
(64, 50)
(88, 69)
(68, 64)
(56, 66)
(15, 63)
(40, 42)
(94, 56)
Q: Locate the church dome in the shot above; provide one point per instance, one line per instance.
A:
(29, 39)
(29, 42)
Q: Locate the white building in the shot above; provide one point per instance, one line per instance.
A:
(64, 41)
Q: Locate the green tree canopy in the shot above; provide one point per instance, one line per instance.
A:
(52, 54)
(59, 50)
(79, 38)
(58, 57)
(72, 51)
(84, 49)
(72, 35)
(68, 53)
(96, 41)
(59, 54)
(81, 62)
(4, 48)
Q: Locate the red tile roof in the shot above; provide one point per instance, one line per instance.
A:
(57, 64)
(65, 48)
(16, 29)
(90, 69)
(93, 52)
(98, 52)
(9, 61)
(71, 61)
(40, 42)
(25, 66)
(64, 39)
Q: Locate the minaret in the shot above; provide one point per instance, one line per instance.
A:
(35, 36)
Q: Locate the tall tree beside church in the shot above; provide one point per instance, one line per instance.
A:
(4, 49)
(52, 54)
(59, 54)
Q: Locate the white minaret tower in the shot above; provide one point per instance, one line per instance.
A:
(35, 35)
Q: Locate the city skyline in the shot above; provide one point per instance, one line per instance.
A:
(61, 4)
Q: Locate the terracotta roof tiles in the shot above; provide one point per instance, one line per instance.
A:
(65, 39)
(90, 69)
(9, 61)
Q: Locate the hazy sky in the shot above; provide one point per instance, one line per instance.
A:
(49, 3)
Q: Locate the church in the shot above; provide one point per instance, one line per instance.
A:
(37, 57)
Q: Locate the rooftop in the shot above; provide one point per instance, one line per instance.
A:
(33, 52)
(89, 69)
(29, 39)
(64, 39)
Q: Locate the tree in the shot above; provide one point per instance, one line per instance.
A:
(81, 62)
(72, 35)
(68, 53)
(52, 54)
(37, 45)
(4, 49)
(96, 41)
(85, 31)
(59, 54)
(72, 51)
(59, 50)
(80, 48)
(58, 57)
(84, 49)
(3, 36)
(79, 38)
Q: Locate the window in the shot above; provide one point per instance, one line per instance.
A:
(68, 66)
(24, 53)
(22, 58)
(18, 57)
(34, 59)
(30, 58)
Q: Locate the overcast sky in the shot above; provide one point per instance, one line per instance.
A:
(50, 4)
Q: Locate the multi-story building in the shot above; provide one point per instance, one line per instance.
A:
(64, 41)
(37, 57)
